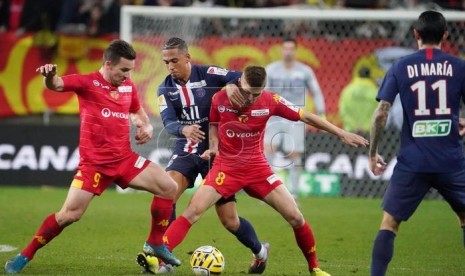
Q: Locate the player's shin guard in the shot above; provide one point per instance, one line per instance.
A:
(383, 249)
(306, 243)
(176, 233)
(247, 236)
(47, 231)
(161, 210)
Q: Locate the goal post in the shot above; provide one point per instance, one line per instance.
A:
(335, 43)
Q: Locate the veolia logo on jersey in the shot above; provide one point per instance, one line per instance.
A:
(232, 134)
(106, 112)
(431, 128)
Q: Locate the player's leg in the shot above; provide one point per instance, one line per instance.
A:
(72, 210)
(178, 166)
(282, 201)
(403, 195)
(182, 183)
(154, 179)
(383, 245)
(244, 232)
(204, 198)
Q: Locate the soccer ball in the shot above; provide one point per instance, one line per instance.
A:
(207, 260)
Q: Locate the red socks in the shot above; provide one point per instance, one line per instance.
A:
(47, 231)
(161, 210)
(176, 232)
(306, 242)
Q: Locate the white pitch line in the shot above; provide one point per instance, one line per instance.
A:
(7, 248)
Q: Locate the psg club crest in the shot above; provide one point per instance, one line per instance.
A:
(200, 92)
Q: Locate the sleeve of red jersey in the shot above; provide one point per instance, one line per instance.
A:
(214, 113)
(284, 108)
(135, 103)
(73, 82)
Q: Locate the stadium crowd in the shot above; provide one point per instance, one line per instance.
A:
(97, 17)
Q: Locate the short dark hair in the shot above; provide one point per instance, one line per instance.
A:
(176, 43)
(117, 49)
(431, 26)
(289, 39)
(255, 76)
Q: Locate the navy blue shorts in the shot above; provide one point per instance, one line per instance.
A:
(407, 189)
(191, 165)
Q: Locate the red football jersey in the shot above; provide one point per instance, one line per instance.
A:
(104, 110)
(241, 132)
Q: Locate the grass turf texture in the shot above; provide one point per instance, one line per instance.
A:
(111, 233)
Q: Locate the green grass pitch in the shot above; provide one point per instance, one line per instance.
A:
(111, 233)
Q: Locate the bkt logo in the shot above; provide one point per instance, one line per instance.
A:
(431, 128)
(231, 134)
(106, 112)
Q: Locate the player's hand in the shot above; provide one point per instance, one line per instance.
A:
(47, 70)
(144, 132)
(462, 126)
(209, 154)
(193, 133)
(234, 95)
(377, 164)
(353, 140)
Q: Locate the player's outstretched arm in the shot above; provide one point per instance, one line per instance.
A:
(214, 141)
(51, 80)
(348, 138)
(376, 162)
(144, 129)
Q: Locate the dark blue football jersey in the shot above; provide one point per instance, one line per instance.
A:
(189, 104)
(431, 85)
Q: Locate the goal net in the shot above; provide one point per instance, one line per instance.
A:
(335, 43)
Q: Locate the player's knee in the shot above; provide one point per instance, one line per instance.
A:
(68, 217)
(231, 223)
(295, 219)
(169, 189)
(193, 213)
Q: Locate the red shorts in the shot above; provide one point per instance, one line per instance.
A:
(96, 178)
(257, 182)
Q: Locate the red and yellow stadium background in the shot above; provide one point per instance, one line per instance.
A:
(22, 92)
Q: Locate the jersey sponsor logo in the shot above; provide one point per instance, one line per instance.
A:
(431, 128)
(232, 134)
(217, 71)
(222, 108)
(260, 112)
(272, 179)
(162, 103)
(279, 99)
(106, 112)
(98, 84)
(198, 84)
(125, 89)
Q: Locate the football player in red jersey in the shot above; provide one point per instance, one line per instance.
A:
(236, 139)
(107, 101)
